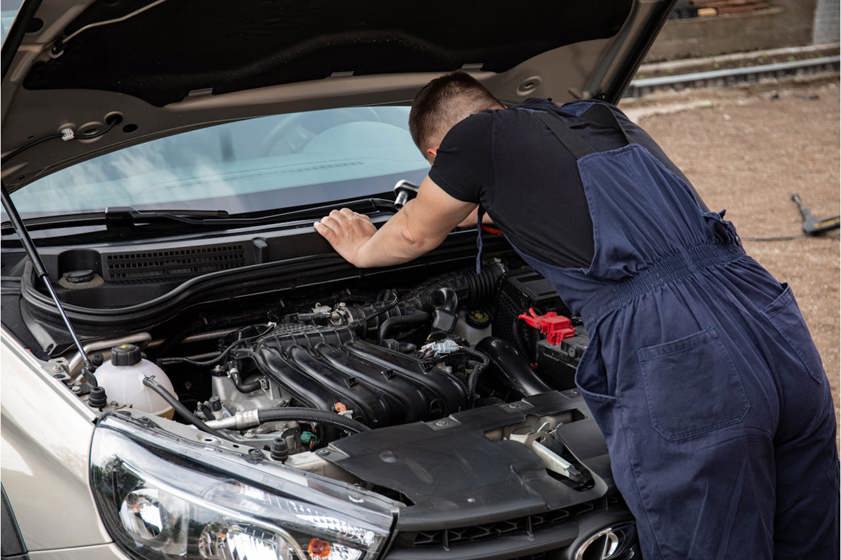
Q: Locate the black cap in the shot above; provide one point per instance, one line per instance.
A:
(125, 355)
(97, 398)
(79, 276)
(279, 450)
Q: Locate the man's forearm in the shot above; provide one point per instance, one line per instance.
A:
(419, 227)
(396, 243)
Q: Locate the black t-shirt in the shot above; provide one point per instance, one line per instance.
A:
(509, 162)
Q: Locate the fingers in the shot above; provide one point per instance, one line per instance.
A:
(335, 222)
(346, 231)
(348, 215)
(327, 227)
(344, 224)
(337, 219)
(323, 230)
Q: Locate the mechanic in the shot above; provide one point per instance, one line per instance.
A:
(700, 371)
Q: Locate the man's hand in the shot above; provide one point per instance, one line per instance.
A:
(346, 231)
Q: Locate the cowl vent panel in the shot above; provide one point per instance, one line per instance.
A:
(154, 266)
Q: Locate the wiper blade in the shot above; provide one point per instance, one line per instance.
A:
(126, 216)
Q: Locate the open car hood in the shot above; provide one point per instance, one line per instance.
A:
(167, 66)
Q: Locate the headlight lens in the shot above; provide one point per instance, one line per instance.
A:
(159, 505)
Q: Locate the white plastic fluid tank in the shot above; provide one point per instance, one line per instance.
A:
(122, 378)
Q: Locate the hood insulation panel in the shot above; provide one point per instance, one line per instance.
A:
(171, 49)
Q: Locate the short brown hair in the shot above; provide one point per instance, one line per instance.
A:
(443, 102)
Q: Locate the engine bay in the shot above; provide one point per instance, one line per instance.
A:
(447, 393)
(414, 389)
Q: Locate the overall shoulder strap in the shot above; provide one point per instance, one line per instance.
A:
(602, 114)
(569, 138)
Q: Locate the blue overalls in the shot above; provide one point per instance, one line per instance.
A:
(701, 372)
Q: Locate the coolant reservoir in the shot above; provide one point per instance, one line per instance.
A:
(122, 378)
(473, 326)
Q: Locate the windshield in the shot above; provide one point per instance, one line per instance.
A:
(246, 166)
(8, 10)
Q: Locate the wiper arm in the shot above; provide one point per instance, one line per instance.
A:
(126, 216)
(121, 218)
(130, 216)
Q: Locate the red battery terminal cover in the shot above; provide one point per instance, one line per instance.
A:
(555, 327)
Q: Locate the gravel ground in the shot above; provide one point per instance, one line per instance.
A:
(747, 151)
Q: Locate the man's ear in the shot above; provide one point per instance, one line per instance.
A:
(431, 153)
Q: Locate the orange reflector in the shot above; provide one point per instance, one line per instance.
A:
(318, 548)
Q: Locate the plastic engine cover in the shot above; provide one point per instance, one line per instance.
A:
(453, 475)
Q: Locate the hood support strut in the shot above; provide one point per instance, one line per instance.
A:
(41, 271)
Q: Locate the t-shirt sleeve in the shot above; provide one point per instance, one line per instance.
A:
(463, 164)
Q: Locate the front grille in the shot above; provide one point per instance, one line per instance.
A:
(526, 525)
(147, 266)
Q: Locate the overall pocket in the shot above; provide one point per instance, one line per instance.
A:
(691, 386)
(785, 317)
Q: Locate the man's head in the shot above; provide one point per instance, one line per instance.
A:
(442, 103)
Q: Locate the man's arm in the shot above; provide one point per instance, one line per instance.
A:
(420, 226)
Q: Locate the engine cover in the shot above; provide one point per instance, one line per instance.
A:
(453, 472)
(381, 387)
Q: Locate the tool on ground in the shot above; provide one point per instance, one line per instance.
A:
(812, 225)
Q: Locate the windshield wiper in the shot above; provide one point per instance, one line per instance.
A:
(119, 217)
(127, 218)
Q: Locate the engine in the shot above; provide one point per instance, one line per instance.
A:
(356, 359)
(381, 359)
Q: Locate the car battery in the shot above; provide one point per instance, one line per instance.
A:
(523, 289)
(556, 363)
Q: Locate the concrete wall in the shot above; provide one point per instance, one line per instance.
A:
(788, 23)
(826, 22)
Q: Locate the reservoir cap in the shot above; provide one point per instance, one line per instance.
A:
(125, 355)
(478, 319)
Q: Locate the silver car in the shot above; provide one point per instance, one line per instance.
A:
(188, 370)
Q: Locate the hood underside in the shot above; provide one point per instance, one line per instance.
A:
(166, 66)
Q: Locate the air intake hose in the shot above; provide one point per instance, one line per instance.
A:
(513, 367)
(471, 288)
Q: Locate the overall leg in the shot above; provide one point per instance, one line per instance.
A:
(725, 443)
(691, 431)
(710, 496)
(806, 524)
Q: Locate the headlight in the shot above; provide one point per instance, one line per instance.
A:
(163, 500)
